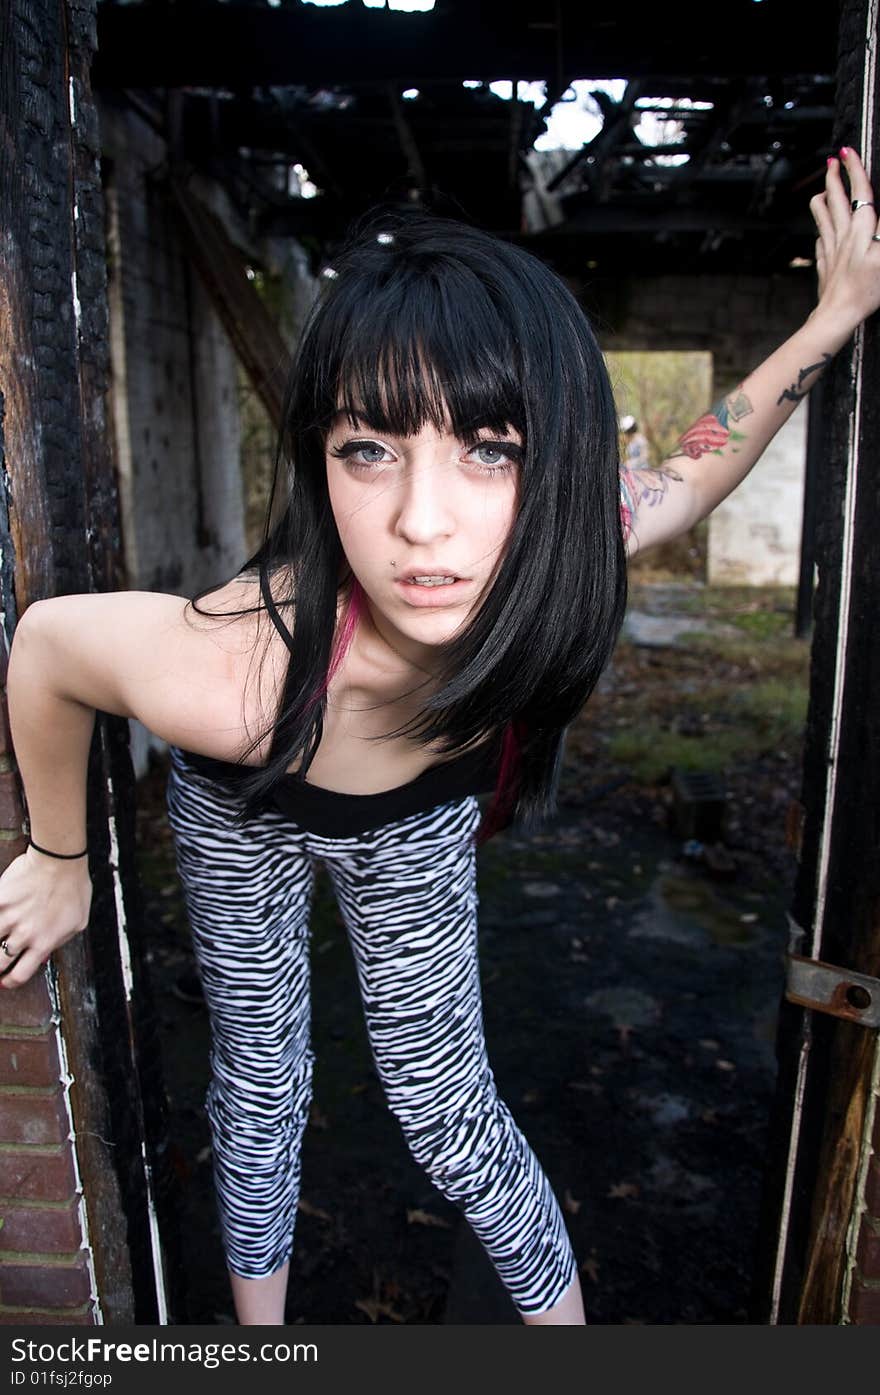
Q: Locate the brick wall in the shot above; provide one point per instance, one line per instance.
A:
(45, 1264)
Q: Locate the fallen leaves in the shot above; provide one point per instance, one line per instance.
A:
(622, 1189)
(309, 1210)
(570, 1204)
(416, 1216)
(380, 1302)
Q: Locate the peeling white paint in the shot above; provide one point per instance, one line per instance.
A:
(860, 1206)
(121, 926)
(155, 1242)
(71, 100)
(66, 1080)
(846, 578)
(128, 981)
(77, 308)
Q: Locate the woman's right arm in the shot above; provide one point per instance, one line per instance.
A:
(131, 654)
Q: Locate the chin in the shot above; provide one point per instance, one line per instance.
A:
(432, 627)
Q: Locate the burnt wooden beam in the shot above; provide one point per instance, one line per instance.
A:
(210, 44)
(619, 119)
(252, 331)
(59, 479)
(650, 215)
(415, 165)
(818, 1262)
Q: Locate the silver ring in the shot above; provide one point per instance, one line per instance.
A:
(4, 945)
(860, 203)
(876, 237)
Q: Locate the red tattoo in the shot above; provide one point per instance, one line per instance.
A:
(705, 435)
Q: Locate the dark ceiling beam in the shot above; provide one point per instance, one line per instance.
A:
(602, 219)
(515, 137)
(726, 117)
(619, 120)
(415, 165)
(226, 45)
(300, 139)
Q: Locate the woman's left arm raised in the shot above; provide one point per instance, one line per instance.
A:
(719, 450)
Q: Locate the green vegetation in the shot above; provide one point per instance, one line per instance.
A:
(718, 696)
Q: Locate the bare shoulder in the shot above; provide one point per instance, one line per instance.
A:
(239, 608)
(204, 675)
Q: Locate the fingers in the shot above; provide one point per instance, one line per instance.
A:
(24, 968)
(824, 224)
(862, 220)
(9, 959)
(8, 951)
(843, 230)
(859, 183)
(836, 201)
(821, 264)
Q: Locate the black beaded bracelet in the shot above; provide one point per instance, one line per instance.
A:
(64, 857)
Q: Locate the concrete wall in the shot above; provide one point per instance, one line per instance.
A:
(175, 400)
(740, 319)
(754, 536)
(175, 389)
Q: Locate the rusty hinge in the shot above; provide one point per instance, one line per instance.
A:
(827, 988)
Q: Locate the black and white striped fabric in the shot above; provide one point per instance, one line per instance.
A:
(407, 894)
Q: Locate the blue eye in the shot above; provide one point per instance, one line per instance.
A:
(496, 457)
(360, 452)
(490, 455)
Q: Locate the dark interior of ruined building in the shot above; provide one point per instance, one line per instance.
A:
(623, 145)
(661, 159)
(708, 125)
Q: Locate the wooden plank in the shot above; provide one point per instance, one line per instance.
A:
(54, 365)
(818, 1145)
(254, 334)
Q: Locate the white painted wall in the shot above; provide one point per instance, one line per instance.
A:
(755, 534)
(174, 392)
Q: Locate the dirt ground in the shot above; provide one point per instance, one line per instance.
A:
(630, 995)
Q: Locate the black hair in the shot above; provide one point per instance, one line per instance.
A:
(426, 320)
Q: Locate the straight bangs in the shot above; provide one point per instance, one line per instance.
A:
(425, 322)
(417, 349)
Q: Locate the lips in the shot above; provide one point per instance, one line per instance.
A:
(431, 587)
(436, 575)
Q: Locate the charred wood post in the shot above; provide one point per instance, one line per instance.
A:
(821, 1226)
(64, 537)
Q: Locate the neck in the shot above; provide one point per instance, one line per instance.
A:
(389, 648)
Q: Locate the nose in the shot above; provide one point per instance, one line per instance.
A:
(425, 502)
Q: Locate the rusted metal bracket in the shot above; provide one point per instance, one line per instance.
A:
(826, 988)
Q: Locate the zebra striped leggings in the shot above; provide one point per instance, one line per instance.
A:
(408, 898)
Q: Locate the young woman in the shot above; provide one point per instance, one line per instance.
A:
(430, 609)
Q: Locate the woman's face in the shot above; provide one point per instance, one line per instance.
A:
(423, 522)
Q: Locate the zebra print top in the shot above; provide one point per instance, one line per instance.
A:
(331, 814)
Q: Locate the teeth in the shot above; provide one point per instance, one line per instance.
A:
(432, 580)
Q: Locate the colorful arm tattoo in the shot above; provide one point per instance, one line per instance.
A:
(642, 486)
(716, 430)
(797, 390)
